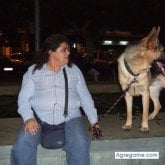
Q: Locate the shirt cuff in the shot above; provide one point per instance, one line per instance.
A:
(27, 117)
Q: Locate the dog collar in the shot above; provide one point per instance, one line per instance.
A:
(129, 69)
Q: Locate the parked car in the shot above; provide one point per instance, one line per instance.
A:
(6, 66)
(20, 61)
(23, 58)
(17, 58)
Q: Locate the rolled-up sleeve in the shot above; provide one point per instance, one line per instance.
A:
(24, 97)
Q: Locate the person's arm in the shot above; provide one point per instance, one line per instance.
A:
(25, 94)
(87, 104)
(86, 100)
(24, 106)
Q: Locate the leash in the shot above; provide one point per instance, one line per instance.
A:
(117, 101)
(160, 66)
(97, 131)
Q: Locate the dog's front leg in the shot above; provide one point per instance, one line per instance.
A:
(145, 101)
(128, 99)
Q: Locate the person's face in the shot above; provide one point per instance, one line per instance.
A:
(61, 55)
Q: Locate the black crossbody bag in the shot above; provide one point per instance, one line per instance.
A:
(53, 136)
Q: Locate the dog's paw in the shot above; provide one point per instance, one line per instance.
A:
(126, 127)
(151, 116)
(144, 129)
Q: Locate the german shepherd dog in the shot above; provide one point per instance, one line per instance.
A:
(134, 70)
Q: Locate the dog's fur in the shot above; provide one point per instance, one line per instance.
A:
(138, 58)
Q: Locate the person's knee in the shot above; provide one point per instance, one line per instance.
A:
(23, 154)
(83, 145)
(80, 145)
(26, 143)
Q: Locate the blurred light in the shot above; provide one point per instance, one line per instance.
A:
(74, 45)
(8, 69)
(107, 42)
(123, 43)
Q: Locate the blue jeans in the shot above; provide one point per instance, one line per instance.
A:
(76, 146)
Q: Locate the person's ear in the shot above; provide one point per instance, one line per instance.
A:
(50, 52)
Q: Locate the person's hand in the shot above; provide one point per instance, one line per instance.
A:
(96, 130)
(31, 126)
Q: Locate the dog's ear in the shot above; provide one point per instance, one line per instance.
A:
(151, 41)
(154, 32)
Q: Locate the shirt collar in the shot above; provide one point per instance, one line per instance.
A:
(46, 70)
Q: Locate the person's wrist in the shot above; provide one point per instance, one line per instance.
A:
(97, 123)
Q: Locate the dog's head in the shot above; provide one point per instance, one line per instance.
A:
(150, 45)
(140, 56)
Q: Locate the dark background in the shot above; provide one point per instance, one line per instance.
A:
(137, 16)
(89, 18)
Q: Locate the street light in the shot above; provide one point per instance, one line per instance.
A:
(37, 25)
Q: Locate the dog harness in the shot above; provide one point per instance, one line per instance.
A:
(129, 69)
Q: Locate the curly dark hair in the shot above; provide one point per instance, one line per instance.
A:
(51, 43)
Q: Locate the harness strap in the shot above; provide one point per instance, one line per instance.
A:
(129, 69)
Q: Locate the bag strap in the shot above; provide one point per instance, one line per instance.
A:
(66, 97)
(66, 93)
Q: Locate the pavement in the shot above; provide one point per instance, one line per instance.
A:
(111, 125)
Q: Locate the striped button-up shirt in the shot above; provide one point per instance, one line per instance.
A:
(44, 92)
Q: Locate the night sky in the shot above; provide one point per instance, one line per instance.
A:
(137, 16)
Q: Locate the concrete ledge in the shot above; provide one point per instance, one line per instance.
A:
(104, 88)
(9, 89)
(102, 152)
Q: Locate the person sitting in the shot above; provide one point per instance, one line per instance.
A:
(43, 91)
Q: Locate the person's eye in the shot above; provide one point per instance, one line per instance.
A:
(66, 49)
